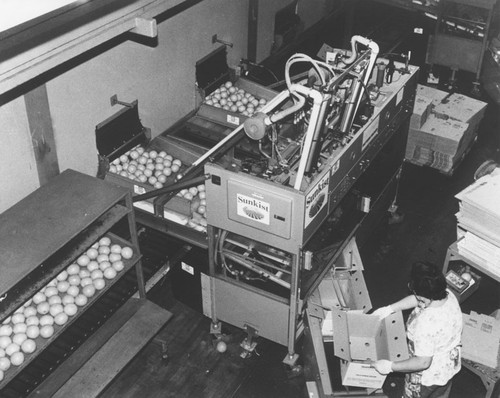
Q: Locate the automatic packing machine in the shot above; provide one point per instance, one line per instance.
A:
(289, 185)
(316, 139)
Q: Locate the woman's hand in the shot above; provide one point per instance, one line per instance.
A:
(383, 366)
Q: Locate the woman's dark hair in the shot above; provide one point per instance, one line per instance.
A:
(426, 280)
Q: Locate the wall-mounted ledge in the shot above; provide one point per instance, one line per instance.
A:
(35, 47)
(145, 27)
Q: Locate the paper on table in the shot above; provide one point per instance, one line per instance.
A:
(360, 374)
(484, 194)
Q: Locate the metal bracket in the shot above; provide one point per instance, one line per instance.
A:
(315, 310)
(291, 359)
(114, 100)
(215, 39)
(216, 328)
(164, 347)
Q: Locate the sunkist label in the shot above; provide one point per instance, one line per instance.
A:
(315, 193)
(316, 199)
(253, 209)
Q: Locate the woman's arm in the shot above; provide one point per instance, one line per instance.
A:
(413, 364)
(406, 303)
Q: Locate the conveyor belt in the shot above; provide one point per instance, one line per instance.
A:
(156, 248)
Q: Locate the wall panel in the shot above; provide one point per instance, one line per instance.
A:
(161, 78)
(18, 176)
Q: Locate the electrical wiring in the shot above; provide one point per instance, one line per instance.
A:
(220, 243)
(260, 263)
(255, 65)
(317, 65)
(269, 71)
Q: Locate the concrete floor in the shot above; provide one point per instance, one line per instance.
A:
(427, 200)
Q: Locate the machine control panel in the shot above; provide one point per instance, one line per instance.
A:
(264, 210)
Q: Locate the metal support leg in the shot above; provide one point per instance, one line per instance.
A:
(249, 343)
(216, 328)
(447, 261)
(292, 356)
(476, 89)
(452, 83)
(164, 347)
(314, 323)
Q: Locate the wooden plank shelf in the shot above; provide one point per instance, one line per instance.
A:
(42, 343)
(46, 232)
(50, 218)
(97, 361)
(49, 269)
(186, 234)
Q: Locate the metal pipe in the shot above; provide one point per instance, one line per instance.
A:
(362, 40)
(260, 262)
(173, 187)
(349, 112)
(317, 139)
(293, 306)
(353, 106)
(288, 111)
(311, 128)
(257, 269)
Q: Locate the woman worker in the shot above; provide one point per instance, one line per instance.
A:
(433, 329)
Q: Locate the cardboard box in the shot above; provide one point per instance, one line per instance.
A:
(234, 118)
(481, 339)
(430, 92)
(213, 72)
(443, 127)
(440, 143)
(123, 131)
(363, 337)
(351, 287)
(176, 204)
(462, 108)
(359, 338)
(442, 135)
(421, 111)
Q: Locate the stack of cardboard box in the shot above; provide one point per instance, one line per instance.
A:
(478, 223)
(481, 339)
(443, 127)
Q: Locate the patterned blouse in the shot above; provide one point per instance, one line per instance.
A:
(434, 332)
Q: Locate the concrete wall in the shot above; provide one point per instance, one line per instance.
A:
(309, 11)
(161, 78)
(18, 176)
